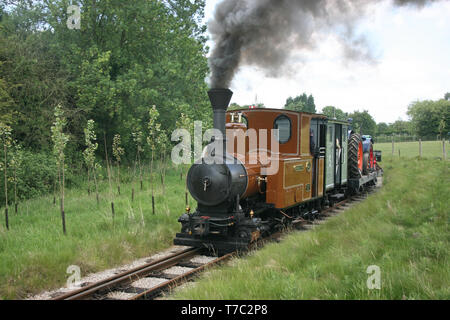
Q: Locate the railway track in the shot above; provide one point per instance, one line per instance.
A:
(148, 281)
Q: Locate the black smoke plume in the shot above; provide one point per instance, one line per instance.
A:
(266, 33)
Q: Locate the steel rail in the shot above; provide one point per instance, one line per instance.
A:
(152, 292)
(129, 275)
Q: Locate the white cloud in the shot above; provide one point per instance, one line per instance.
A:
(412, 48)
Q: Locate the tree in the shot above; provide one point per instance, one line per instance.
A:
(302, 103)
(335, 113)
(16, 161)
(5, 136)
(383, 129)
(108, 71)
(118, 152)
(363, 123)
(154, 129)
(163, 143)
(138, 140)
(185, 123)
(60, 140)
(429, 118)
(401, 127)
(89, 154)
(108, 169)
(447, 96)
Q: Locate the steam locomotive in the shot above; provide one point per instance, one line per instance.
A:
(262, 179)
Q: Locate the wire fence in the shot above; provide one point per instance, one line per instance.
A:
(409, 149)
(406, 138)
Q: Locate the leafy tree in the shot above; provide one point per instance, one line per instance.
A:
(154, 130)
(383, 129)
(234, 106)
(118, 152)
(126, 56)
(89, 154)
(185, 122)
(401, 127)
(138, 140)
(335, 113)
(163, 142)
(430, 118)
(301, 103)
(16, 162)
(60, 140)
(447, 96)
(363, 122)
(5, 136)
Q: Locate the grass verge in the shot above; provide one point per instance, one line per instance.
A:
(34, 253)
(430, 149)
(403, 229)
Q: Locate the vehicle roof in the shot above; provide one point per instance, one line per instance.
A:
(320, 115)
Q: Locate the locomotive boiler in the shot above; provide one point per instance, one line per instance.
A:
(266, 168)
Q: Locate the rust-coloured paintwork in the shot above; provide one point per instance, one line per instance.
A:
(293, 183)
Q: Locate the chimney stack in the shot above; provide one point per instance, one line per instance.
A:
(220, 99)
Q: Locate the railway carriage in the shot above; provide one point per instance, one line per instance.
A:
(269, 178)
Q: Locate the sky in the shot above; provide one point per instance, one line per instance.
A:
(412, 51)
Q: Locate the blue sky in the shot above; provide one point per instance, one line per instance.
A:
(412, 48)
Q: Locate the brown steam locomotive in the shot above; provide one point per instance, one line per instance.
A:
(311, 163)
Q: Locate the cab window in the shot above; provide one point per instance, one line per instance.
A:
(283, 124)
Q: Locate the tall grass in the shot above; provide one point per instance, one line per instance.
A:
(403, 229)
(430, 149)
(34, 254)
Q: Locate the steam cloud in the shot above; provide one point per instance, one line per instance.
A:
(266, 33)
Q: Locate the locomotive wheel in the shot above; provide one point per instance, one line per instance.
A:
(355, 156)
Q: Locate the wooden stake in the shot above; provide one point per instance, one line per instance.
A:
(153, 204)
(420, 148)
(392, 145)
(6, 189)
(63, 215)
(6, 219)
(443, 150)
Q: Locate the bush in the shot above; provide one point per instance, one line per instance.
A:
(36, 177)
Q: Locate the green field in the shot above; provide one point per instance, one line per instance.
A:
(403, 229)
(430, 149)
(34, 253)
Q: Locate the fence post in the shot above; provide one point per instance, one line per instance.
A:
(420, 148)
(443, 150)
(392, 145)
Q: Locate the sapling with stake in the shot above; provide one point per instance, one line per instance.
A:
(108, 169)
(154, 129)
(89, 154)
(137, 138)
(118, 152)
(163, 142)
(5, 136)
(16, 161)
(59, 143)
(185, 122)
